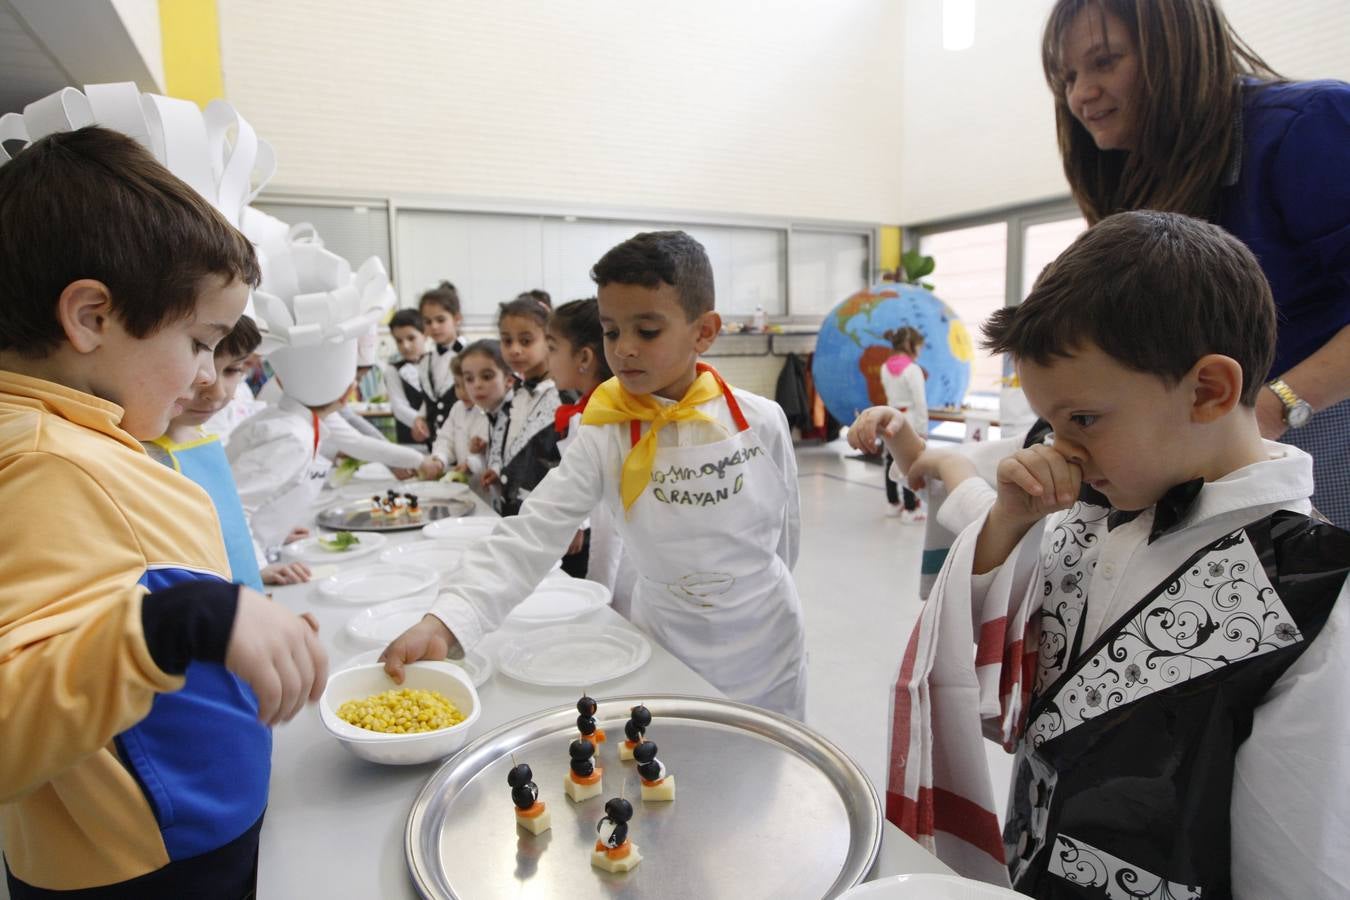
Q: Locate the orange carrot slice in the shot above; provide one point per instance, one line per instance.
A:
(533, 812)
(589, 779)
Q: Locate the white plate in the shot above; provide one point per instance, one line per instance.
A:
(378, 582)
(476, 664)
(442, 556)
(381, 624)
(558, 600)
(467, 526)
(573, 655)
(310, 550)
(373, 471)
(928, 887)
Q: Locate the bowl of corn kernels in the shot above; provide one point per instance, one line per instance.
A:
(425, 718)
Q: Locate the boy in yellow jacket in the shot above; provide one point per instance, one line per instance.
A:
(137, 684)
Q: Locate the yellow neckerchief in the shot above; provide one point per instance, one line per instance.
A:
(612, 403)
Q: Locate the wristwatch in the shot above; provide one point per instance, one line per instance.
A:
(1297, 412)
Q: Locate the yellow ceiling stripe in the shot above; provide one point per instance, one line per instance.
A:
(190, 30)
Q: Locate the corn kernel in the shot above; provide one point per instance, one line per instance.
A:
(401, 711)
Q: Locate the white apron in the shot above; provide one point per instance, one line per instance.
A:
(711, 588)
(275, 519)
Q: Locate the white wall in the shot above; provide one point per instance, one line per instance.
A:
(978, 128)
(752, 107)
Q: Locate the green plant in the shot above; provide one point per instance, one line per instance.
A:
(914, 266)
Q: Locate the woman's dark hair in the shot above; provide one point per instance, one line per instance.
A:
(491, 349)
(1153, 290)
(654, 258)
(578, 323)
(242, 340)
(524, 307)
(905, 338)
(443, 295)
(1189, 97)
(407, 318)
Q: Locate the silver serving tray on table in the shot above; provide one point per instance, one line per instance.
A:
(356, 515)
(764, 808)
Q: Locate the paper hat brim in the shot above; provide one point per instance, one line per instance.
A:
(318, 374)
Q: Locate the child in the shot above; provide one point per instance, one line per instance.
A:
(576, 361)
(188, 450)
(699, 479)
(903, 381)
(441, 316)
(524, 454)
(463, 435)
(402, 381)
(1165, 651)
(136, 756)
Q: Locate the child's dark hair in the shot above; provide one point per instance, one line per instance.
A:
(539, 295)
(491, 349)
(654, 258)
(457, 364)
(407, 318)
(443, 295)
(93, 203)
(905, 338)
(524, 307)
(578, 323)
(242, 340)
(1155, 291)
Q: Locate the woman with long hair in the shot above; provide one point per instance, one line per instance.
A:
(1159, 104)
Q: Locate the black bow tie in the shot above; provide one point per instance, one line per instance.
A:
(1168, 512)
(532, 384)
(442, 349)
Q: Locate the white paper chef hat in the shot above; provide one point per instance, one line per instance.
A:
(214, 150)
(314, 308)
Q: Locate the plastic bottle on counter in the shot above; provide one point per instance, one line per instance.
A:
(760, 320)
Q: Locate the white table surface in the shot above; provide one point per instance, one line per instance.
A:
(335, 823)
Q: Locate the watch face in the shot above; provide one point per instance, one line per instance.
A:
(1299, 414)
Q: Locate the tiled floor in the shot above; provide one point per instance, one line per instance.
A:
(858, 576)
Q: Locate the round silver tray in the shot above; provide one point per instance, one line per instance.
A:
(764, 807)
(356, 515)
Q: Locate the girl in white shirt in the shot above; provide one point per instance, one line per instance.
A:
(903, 381)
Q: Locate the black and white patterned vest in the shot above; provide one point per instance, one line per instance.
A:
(1125, 770)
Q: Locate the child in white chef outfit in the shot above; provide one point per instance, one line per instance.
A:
(701, 482)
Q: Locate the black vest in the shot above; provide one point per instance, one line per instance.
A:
(1125, 771)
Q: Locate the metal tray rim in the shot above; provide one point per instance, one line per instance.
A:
(771, 724)
(460, 508)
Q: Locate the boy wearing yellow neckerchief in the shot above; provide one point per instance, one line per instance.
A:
(700, 479)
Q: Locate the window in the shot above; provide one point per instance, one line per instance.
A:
(971, 277)
(1042, 242)
(827, 267)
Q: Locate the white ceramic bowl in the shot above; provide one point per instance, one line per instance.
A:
(400, 749)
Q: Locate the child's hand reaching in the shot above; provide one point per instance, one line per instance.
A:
(286, 573)
(296, 534)
(477, 444)
(431, 469)
(428, 639)
(420, 431)
(490, 477)
(278, 655)
(886, 423)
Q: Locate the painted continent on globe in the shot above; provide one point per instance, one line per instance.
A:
(852, 348)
